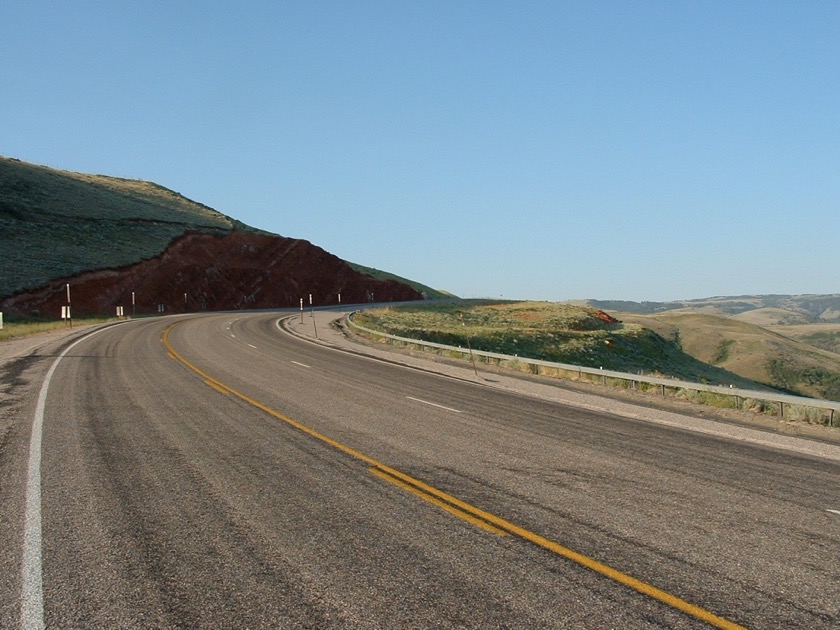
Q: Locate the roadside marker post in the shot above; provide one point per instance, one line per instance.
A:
(69, 317)
(469, 345)
(312, 315)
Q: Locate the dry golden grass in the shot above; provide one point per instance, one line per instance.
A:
(777, 356)
(767, 317)
(16, 330)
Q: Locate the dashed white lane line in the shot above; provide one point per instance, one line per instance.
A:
(301, 364)
(426, 402)
(834, 512)
(252, 346)
(32, 582)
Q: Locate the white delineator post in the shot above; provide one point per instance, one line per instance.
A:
(69, 316)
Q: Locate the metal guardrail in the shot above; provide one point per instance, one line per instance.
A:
(663, 383)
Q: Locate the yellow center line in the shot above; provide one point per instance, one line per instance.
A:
(478, 522)
(216, 387)
(463, 509)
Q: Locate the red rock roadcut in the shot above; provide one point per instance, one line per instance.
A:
(206, 272)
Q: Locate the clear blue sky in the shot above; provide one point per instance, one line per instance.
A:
(532, 150)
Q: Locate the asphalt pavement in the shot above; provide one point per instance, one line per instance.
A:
(216, 471)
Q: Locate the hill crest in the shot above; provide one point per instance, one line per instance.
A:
(766, 309)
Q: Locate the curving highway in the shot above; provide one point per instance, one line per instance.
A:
(215, 471)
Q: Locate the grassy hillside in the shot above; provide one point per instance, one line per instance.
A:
(822, 336)
(770, 316)
(754, 352)
(552, 332)
(57, 223)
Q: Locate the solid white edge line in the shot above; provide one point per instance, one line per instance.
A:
(32, 582)
(426, 402)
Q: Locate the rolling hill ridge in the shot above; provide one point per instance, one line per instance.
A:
(759, 309)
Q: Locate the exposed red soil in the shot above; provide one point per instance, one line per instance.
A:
(604, 317)
(204, 272)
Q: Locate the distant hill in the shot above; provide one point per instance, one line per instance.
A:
(761, 309)
(779, 357)
(58, 226)
(789, 342)
(824, 336)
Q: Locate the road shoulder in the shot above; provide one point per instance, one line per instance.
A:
(24, 362)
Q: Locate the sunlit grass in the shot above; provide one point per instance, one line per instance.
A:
(12, 330)
(561, 333)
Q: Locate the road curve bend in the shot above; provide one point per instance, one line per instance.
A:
(214, 471)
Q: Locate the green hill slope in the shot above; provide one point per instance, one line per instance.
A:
(57, 223)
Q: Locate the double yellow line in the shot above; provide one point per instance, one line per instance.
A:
(453, 505)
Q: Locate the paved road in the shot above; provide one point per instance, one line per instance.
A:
(222, 473)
